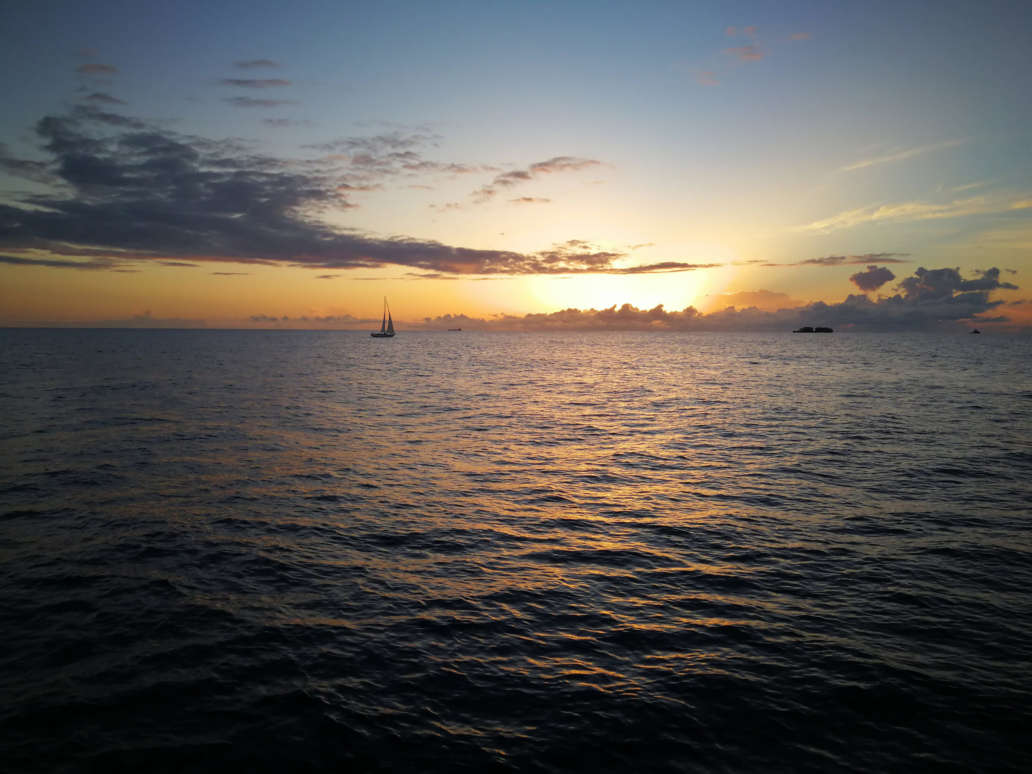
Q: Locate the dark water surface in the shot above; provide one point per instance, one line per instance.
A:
(530, 552)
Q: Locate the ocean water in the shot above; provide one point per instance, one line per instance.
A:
(306, 551)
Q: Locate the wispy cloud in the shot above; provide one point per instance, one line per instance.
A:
(96, 264)
(252, 102)
(800, 36)
(903, 211)
(839, 260)
(255, 83)
(748, 53)
(968, 186)
(284, 123)
(107, 99)
(530, 200)
(845, 260)
(553, 165)
(900, 155)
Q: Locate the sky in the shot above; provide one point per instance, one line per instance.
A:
(631, 165)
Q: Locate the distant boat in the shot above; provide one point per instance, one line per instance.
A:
(808, 329)
(386, 325)
(455, 329)
(976, 331)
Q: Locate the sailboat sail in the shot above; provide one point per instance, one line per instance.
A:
(386, 323)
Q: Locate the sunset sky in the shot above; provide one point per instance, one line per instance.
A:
(266, 164)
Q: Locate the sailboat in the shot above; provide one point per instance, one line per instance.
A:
(386, 325)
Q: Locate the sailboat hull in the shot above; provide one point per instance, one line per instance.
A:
(381, 335)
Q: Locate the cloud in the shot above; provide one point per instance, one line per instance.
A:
(96, 115)
(800, 36)
(28, 169)
(844, 260)
(706, 78)
(184, 264)
(517, 176)
(96, 264)
(282, 123)
(749, 53)
(107, 99)
(872, 278)
(95, 68)
(954, 304)
(254, 83)
(393, 153)
(230, 274)
(378, 144)
(939, 284)
(250, 102)
(561, 164)
(903, 211)
(663, 267)
(250, 64)
(530, 200)
(837, 260)
(327, 276)
(131, 191)
(900, 155)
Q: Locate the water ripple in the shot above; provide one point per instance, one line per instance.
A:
(536, 553)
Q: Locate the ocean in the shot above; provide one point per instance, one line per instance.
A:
(532, 552)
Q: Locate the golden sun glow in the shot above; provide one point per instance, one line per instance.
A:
(673, 291)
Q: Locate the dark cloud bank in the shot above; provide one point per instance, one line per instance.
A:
(124, 191)
(931, 299)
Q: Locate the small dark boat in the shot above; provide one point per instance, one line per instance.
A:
(386, 325)
(804, 329)
(455, 329)
(975, 330)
